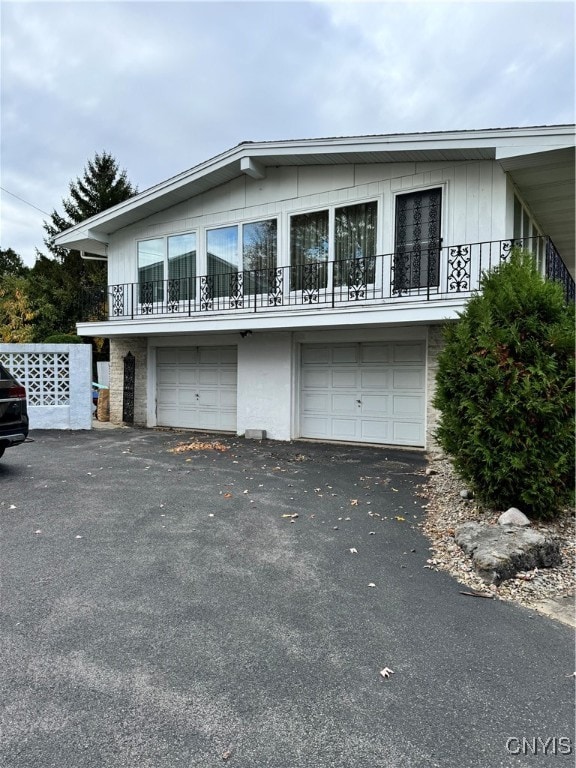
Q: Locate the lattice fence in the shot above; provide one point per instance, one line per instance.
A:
(46, 375)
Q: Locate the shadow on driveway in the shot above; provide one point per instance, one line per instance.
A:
(165, 609)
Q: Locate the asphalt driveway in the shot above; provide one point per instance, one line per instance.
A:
(165, 609)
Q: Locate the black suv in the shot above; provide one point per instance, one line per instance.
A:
(13, 411)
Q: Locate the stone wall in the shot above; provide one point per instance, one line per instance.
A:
(119, 348)
(435, 345)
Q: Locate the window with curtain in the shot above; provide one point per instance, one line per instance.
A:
(355, 243)
(222, 256)
(182, 265)
(151, 270)
(259, 255)
(309, 250)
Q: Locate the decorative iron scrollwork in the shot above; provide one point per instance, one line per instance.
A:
(173, 295)
(310, 283)
(236, 290)
(146, 298)
(359, 275)
(459, 268)
(275, 287)
(117, 301)
(128, 389)
(206, 293)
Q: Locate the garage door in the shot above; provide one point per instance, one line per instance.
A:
(196, 388)
(373, 393)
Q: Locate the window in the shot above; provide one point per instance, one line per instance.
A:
(309, 250)
(355, 243)
(259, 255)
(151, 270)
(182, 266)
(171, 259)
(527, 234)
(259, 244)
(417, 240)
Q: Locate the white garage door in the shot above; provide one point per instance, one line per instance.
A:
(372, 393)
(196, 387)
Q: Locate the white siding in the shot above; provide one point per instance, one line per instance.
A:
(474, 204)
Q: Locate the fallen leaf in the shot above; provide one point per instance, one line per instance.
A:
(353, 502)
(400, 518)
(371, 584)
(386, 672)
(227, 495)
(353, 550)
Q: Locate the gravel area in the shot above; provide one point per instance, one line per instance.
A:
(446, 510)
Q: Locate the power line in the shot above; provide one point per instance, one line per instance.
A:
(24, 201)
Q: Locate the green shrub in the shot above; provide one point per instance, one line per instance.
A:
(63, 338)
(505, 391)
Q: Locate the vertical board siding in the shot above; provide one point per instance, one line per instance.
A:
(474, 204)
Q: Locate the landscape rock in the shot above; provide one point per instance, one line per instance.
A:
(513, 516)
(466, 494)
(499, 552)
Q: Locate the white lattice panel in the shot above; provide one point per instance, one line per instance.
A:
(46, 375)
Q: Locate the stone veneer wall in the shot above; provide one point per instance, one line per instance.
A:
(119, 348)
(435, 345)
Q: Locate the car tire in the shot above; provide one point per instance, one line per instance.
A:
(2, 449)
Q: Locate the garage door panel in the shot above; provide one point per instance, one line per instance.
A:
(315, 426)
(375, 405)
(375, 353)
(187, 356)
(227, 378)
(409, 379)
(318, 402)
(343, 378)
(316, 378)
(316, 355)
(344, 404)
(348, 354)
(187, 376)
(344, 429)
(408, 406)
(167, 376)
(375, 431)
(408, 433)
(377, 378)
(208, 377)
(409, 353)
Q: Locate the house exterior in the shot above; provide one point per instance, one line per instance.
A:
(300, 287)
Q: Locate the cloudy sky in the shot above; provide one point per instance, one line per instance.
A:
(166, 85)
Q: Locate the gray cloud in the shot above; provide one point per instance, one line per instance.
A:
(163, 86)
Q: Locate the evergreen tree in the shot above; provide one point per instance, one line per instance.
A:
(505, 390)
(59, 279)
(11, 263)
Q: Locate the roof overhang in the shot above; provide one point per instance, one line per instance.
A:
(527, 154)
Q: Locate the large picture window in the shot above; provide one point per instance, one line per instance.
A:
(309, 250)
(355, 243)
(167, 263)
(253, 252)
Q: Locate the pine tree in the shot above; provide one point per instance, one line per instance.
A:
(58, 279)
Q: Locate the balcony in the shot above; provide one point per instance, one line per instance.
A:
(450, 273)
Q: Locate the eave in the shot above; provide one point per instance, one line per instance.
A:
(510, 146)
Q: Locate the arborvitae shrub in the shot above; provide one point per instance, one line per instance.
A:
(505, 391)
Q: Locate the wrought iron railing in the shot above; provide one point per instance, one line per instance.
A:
(447, 273)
